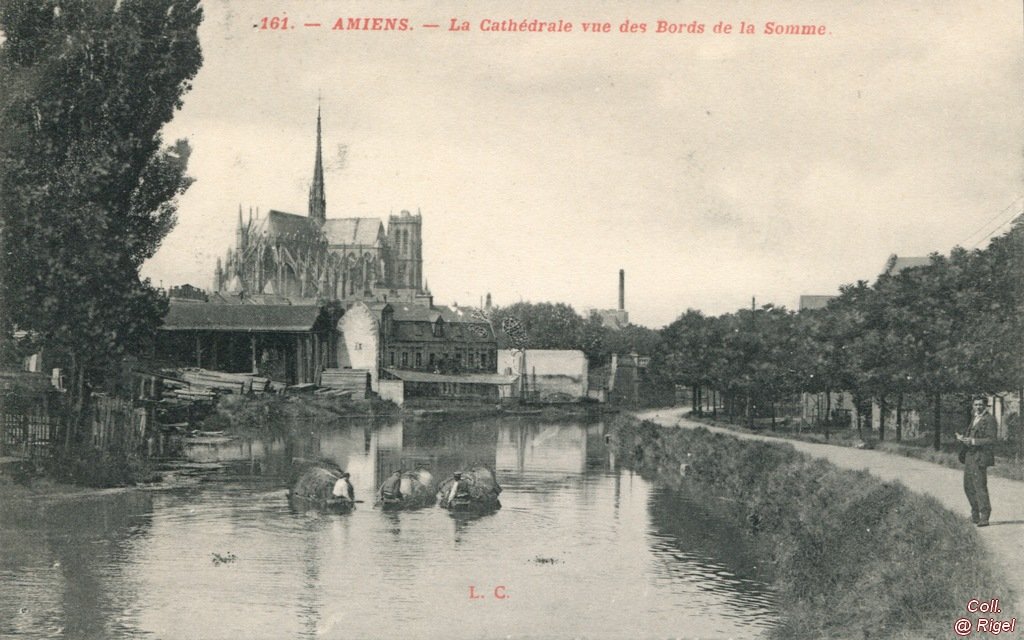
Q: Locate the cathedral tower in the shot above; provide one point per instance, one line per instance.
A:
(317, 199)
(405, 244)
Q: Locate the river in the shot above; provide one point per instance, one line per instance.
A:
(580, 548)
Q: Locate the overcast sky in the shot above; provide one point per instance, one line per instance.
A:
(712, 168)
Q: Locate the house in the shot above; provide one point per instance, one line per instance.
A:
(433, 350)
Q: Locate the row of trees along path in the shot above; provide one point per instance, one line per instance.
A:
(912, 338)
(1004, 538)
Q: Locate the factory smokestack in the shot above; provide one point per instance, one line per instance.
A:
(622, 289)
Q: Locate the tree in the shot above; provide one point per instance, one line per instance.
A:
(547, 325)
(692, 344)
(87, 188)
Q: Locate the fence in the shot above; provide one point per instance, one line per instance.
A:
(118, 425)
(31, 423)
(26, 434)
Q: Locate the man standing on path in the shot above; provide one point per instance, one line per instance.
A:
(977, 458)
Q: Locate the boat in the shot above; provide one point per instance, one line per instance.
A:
(314, 491)
(314, 503)
(478, 493)
(417, 489)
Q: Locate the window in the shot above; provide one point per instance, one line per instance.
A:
(470, 358)
(483, 360)
(419, 359)
(419, 328)
(439, 329)
(359, 346)
(458, 356)
(391, 358)
(405, 359)
(430, 361)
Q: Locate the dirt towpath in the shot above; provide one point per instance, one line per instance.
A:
(1004, 538)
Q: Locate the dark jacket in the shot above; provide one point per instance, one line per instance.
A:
(392, 487)
(984, 432)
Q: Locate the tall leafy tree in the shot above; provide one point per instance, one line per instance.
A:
(547, 325)
(87, 185)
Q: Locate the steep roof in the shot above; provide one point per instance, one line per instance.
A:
(364, 231)
(200, 316)
(462, 324)
(278, 223)
(404, 312)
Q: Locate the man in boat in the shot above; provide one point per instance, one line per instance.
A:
(391, 490)
(343, 488)
(460, 488)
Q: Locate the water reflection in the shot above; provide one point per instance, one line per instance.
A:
(697, 544)
(61, 567)
(582, 549)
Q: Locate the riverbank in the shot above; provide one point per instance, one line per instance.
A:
(853, 556)
(266, 413)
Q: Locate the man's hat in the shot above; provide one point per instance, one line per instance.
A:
(458, 476)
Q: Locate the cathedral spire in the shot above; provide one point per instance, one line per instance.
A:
(317, 200)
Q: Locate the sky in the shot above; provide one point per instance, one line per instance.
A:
(711, 167)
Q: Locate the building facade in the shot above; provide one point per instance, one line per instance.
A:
(313, 256)
(550, 375)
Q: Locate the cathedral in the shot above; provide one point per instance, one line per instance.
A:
(315, 257)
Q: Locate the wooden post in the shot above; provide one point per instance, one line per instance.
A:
(199, 351)
(899, 417)
(883, 408)
(252, 345)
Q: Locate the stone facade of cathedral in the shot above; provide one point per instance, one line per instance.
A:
(316, 257)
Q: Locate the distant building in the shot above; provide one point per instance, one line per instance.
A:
(317, 257)
(551, 375)
(814, 301)
(895, 263)
(335, 301)
(187, 292)
(615, 318)
(389, 339)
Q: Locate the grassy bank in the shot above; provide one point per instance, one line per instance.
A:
(853, 557)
